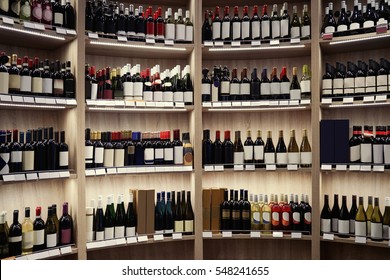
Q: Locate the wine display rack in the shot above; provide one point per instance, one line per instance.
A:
(77, 114)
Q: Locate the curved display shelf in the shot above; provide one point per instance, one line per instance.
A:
(37, 176)
(136, 170)
(251, 168)
(57, 252)
(372, 100)
(257, 106)
(257, 235)
(347, 167)
(355, 240)
(28, 102)
(31, 34)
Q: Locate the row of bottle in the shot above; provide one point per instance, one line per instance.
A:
(32, 236)
(113, 19)
(356, 79)
(367, 147)
(243, 215)
(132, 83)
(363, 19)
(59, 13)
(255, 152)
(357, 221)
(220, 87)
(126, 148)
(34, 77)
(43, 149)
(276, 26)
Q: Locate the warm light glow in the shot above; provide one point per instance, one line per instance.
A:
(216, 49)
(123, 45)
(35, 33)
(358, 39)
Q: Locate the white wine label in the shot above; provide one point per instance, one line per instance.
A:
(236, 30)
(285, 88)
(327, 84)
(88, 152)
(368, 23)
(169, 31)
(99, 235)
(39, 237)
(159, 153)
(338, 84)
(108, 233)
(188, 225)
(99, 155)
(148, 95)
(376, 230)
(366, 153)
(238, 158)
(16, 156)
(180, 32)
(189, 33)
(354, 153)
(360, 82)
(127, 89)
(206, 89)
(130, 231)
(168, 154)
(248, 152)
(149, 155)
(325, 225)
(255, 29)
(179, 226)
(342, 27)
(265, 29)
(90, 222)
(284, 23)
(138, 89)
(305, 30)
(189, 97)
(266, 217)
(377, 153)
(256, 217)
(4, 82)
(216, 27)
(51, 240)
(349, 83)
(295, 94)
(58, 18)
(28, 161)
(305, 86)
(281, 158)
(330, 29)
(275, 88)
(234, 89)
(385, 231)
(307, 218)
(225, 30)
(64, 158)
(37, 85)
(371, 84)
(225, 87)
(119, 157)
(343, 226)
(269, 158)
(245, 25)
(352, 226)
(386, 150)
(119, 232)
(214, 93)
(354, 26)
(27, 240)
(296, 217)
(258, 152)
(14, 239)
(158, 96)
(275, 217)
(360, 228)
(275, 29)
(108, 158)
(178, 96)
(295, 32)
(245, 89)
(47, 86)
(178, 154)
(335, 223)
(293, 158)
(168, 96)
(25, 83)
(265, 89)
(58, 86)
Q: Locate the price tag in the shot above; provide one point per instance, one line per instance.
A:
(90, 172)
(179, 104)
(354, 168)
(238, 167)
(259, 103)
(54, 253)
(62, 101)
(54, 175)
(381, 28)
(28, 99)
(328, 236)
(326, 167)
(295, 41)
(109, 103)
(131, 240)
(368, 99)
(66, 250)
(100, 172)
(206, 104)
(8, 20)
(122, 39)
(208, 44)
(348, 100)
(274, 103)
(218, 168)
(217, 104)
(119, 103)
(177, 236)
(140, 103)
(256, 43)
(16, 98)
(6, 98)
(143, 238)
(120, 241)
(71, 32)
(150, 104)
(227, 234)
(207, 234)
(270, 167)
(360, 239)
(284, 102)
(121, 170)
(31, 176)
(246, 103)
(111, 171)
(61, 31)
(305, 102)
(8, 178)
(381, 98)
(44, 175)
(250, 167)
(277, 234)
(236, 44)
(169, 104)
(158, 237)
(236, 104)
(187, 168)
(274, 43)
(20, 177)
(28, 24)
(150, 41)
(294, 102)
(292, 167)
(378, 168)
(71, 102)
(365, 168)
(218, 44)
(64, 174)
(255, 234)
(169, 42)
(327, 36)
(341, 167)
(93, 36)
(130, 103)
(22, 258)
(51, 101)
(208, 168)
(39, 26)
(159, 169)
(326, 100)
(297, 235)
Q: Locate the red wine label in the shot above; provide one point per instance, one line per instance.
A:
(281, 158)
(236, 30)
(269, 158)
(99, 235)
(14, 82)
(130, 231)
(366, 153)
(248, 152)
(189, 33)
(37, 85)
(99, 155)
(325, 225)
(37, 12)
(245, 29)
(368, 23)
(47, 86)
(15, 239)
(4, 83)
(275, 219)
(25, 83)
(225, 30)
(16, 156)
(149, 155)
(127, 89)
(265, 29)
(307, 218)
(64, 159)
(330, 29)
(352, 226)
(160, 29)
(236, 214)
(284, 27)
(107, 94)
(245, 214)
(225, 214)
(58, 18)
(216, 27)
(47, 14)
(293, 158)
(58, 87)
(159, 153)
(377, 153)
(66, 236)
(178, 154)
(189, 97)
(256, 30)
(206, 89)
(119, 157)
(150, 28)
(354, 26)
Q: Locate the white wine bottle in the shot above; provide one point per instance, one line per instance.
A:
(361, 220)
(306, 157)
(386, 219)
(293, 150)
(376, 222)
(369, 211)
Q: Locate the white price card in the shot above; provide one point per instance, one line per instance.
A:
(150, 104)
(150, 41)
(31, 176)
(122, 38)
(130, 103)
(66, 250)
(250, 167)
(121, 170)
(297, 235)
(169, 42)
(227, 234)
(218, 44)
(236, 104)
(8, 20)
(328, 236)
(365, 168)
(378, 168)
(16, 98)
(28, 99)
(292, 167)
(6, 98)
(381, 98)
(64, 174)
(93, 36)
(226, 104)
(179, 104)
(295, 41)
(274, 43)
(360, 239)
(218, 168)
(119, 103)
(341, 167)
(143, 238)
(236, 44)
(238, 167)
(284, 102)
(20, 177)
(270, 167)
(8, 178)
(256, 43)
(61, 31)
(246, 103)
(71, 32)
(367, 99)
(28, 24)
(131, 240)
(206, 104)
(326, 167)
(120, 241)
(207, 234)
(140, 103)
(259, 103)
(72, 102)
(158, 237)
(169, 104)
(255, 234)
(217, 104)
(274, 103)
(326, 100)
(348, 100)
(111, 171)
(277, 234)
(90, 172)
(354, 168)
(44, 175)
(100, 171)
(54, 175)
(208, 168)
(54, 252)
(39, 26)
(51, 101)
(294, 102)
(305, 102)
(208, 44)
(177, 236)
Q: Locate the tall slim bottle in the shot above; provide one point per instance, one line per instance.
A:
(361, 220)
(27, 232)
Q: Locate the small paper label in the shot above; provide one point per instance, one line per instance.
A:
(277, 234)
(341, 167)
(347, 100)
(327, 36)
(90, 172)
(206, 43)
(39, 26)
(54, 253)
(71, 32)
(16, 98)
(365, 168)
(177, 235)
(31, 176)
(255, 234)
(218, 44)
(236, 44)
(150, 41)
(227, 234)
(111, 171)
(238, 167)
(284, 102)
(61, 31)
(294, 102)
(354, 168)
(292, 167)
(158, 237)
(295, 41)
(218, 168)
(217, 104)
(20, 177)
(8, 20)
(93, 36)
(250, 167)
(255, 43)
(131, 240)
(274, 43)
(206, 104)
(100, 171)
(120, 241)
(28, 24)
(179, 104)
(326, 167)
(380, 98)
(328, 236)
(208, 168)
(326, 101)
(171, 43)
(226, 104)
(368, 98)
(122, 39)
(305, 102)
(207, 234)
(143, 238)
(360, 239)
(296, 235)
(28, 99)
(378, 168)
(66, 250)
(270, 167)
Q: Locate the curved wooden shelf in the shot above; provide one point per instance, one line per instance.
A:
(361, 101)
(352, 240)
(298, 236)
(293, 168)
(37, 176)
(29, 102)
(134, 170)
(347, 167)
(54, 253)
(257, 106)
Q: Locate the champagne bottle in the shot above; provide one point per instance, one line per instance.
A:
(15, 236)
(238, 149)
(225, 212)
(293, 150)
(386, 219)
(352, 215)
(343, 220)
(305, 151)
(255, 214)
(266, 216)
(369, 212)
(335, 214)
(269, 150)
(281, 152)
(27, 232)
(326, 216)
(50, 229)
(376, 222)
(361, 220)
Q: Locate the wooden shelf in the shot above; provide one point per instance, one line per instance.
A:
(9, 101)
(134, 170)
(37, 176)
(257, 235)
(54, 253)
(256, 106)
(251, 168)
(113, 47)
(371, 100)
(347, 167)
(358, 242)
(12, 30)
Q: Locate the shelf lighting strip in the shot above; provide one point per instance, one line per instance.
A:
(166, 48)
(358, 105)
(32, 106)
(216, 49)
(358, 39)
(61, 38)
(259, 109)
(136, 110)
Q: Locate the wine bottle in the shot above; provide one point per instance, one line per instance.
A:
(284, 84)
(357, 20)
(297, 211)
(369, 212)
(109, 218)
(47, 80)
(217, 148)
(255, 214)
(207, 148)
(376, 222)
(69, 16)
(287, 214)
(248, 149)
(352, 215)
(90, 217)
(276, 211)
(285, 22)
(330, 24)
(16, 153)
(66, 226)
(258, 150)
(188, 216)
(343, 21)
(119, 222)
(293, 150)
(275, 84)
(327, 81)
(158, 216)
(281, 152)
(269, 150)
(295, 24)
(63, 153)
(206, 86)
(265, 87)
(217, 26)
(235, 86)
(265, 24)
(255, 24)
(4, 249)
(130, 220)
(295, 88)
(158, 149)
(177, 148)
(343, 220)
(188, 152)
(15, 236)
(382, 80)
(179, 215)
(386, 219)
(254, 85)
(224, 94)
(238, 149)
(216, 84)
(305, 151)
(50, 229)
(326, 216)
(226, 22)
(266, 215)
(370, 19)
(366, 145)
(235, 25)
(361, 220)
(39, 231)
(236, 215)
(189, 30)
(305, 24)
(378, 145)
(246, 214)
(275, 23)
(4, 74)
(228, 150)
(180, 28)
(225, 212)
(207, 33)
(307, 215)
(245, 25)
(335, 214)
